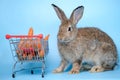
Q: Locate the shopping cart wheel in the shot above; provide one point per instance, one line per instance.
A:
(42, 75)
(13, 75)
(32, 72)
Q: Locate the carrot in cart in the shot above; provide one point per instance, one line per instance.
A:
(30, 33)
(39, 46)
(30, 56)
(29, 40)
(38, 43)
(21, 43)
(26, 45)
(41, 53)
(34, 44)
(47, 37)
(45, 41)
(32, 52)
(24, 55)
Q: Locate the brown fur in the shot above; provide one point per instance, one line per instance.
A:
(79, 45)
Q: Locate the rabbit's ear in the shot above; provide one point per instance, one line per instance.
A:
(77, 14)
(60, 13)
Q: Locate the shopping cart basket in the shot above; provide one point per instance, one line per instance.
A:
(26, 48)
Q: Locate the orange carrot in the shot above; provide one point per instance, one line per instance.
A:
(41, 54)
(24, 55)
(39, 46)
(30, 56)
(30, 33)
(47, 37)
(21, 43)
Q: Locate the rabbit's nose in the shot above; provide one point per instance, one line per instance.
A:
(60, 38)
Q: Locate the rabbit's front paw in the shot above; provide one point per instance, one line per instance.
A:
(57, 70)
(74, 71)
(96, 69)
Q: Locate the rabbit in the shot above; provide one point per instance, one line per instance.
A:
(83, 45)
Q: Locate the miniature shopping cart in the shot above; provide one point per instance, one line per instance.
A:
(26, 48)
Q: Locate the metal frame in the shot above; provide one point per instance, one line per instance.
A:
(14, 46)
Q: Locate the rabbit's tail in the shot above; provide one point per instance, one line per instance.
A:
(112, 65)
(117, 64)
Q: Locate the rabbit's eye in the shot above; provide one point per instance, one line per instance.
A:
(69, 29)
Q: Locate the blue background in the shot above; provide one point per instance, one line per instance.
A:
(17, 16)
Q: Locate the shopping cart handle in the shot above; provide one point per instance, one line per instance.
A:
(8, 36)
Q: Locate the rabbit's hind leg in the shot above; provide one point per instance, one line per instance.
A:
(97, 69)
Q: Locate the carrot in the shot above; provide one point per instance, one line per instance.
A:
(26, 44)
(38, 43)
(30, 56)
(34, 45)
(47, 37)
(30, 33)
(21, 43)
(24, 55)
(39, 46)
(41, 53)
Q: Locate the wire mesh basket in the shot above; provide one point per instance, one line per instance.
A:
(26, 48)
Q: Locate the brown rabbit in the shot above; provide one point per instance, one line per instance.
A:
(79, 45)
